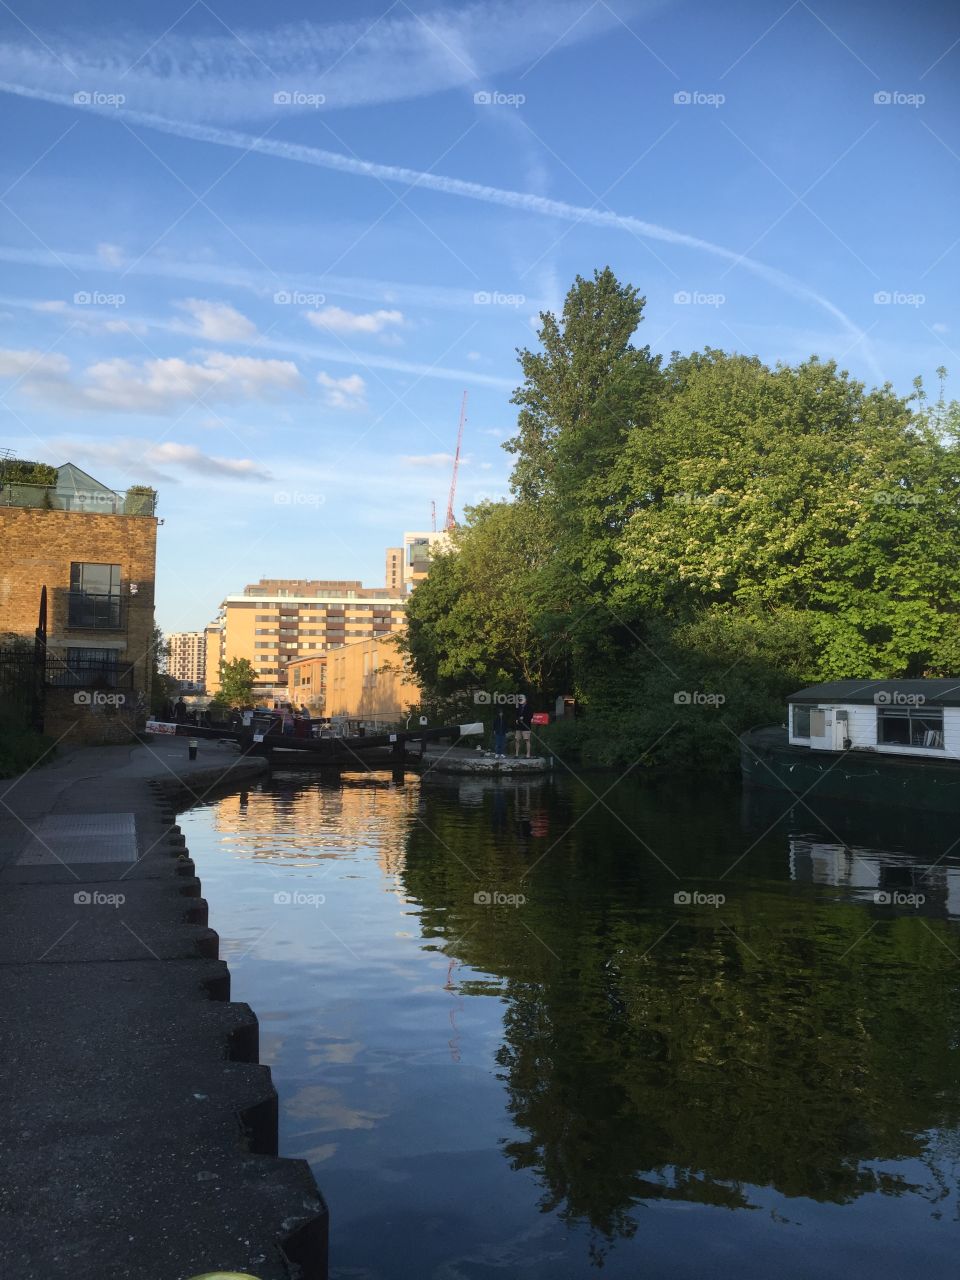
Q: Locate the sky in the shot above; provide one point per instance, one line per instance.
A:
(254, 255)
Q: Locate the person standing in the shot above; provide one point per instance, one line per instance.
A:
(500, 734)
(522, 729)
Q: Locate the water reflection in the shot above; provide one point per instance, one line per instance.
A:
(551, 1066)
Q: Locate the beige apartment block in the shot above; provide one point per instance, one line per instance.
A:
(212, 653)
(94, 549)
(370, 681)
(307, 682)
(276, 620)
(394, 570)
(187, 661)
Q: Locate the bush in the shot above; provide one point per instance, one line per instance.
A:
(20, 748)
(17, 471)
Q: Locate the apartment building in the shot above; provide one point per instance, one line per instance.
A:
(276, 620)
(370, 680)
(187, 662)
(416, 551)
(394, 569)
(212, 654)
(94, 549)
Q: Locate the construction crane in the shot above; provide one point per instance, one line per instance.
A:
(433, 516)
(450, 521)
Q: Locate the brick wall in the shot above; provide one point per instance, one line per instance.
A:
(37, 548)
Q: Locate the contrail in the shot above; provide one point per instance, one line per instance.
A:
(560, 209)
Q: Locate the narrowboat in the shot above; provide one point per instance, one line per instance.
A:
(873, 742)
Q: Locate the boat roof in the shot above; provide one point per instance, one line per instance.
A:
(943, 693)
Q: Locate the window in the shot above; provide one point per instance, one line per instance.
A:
(818, 723)
(98, 668)
(94, 596)
(910, 727)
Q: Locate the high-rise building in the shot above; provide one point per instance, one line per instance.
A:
(417, 549)
(275, 620)
(394, 574)
(188, 652)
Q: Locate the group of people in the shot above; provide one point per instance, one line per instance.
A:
(521, 731)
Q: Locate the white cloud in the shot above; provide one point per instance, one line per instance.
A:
(111, 255)
(216, 321)
(236, 74)
(427, 460)
(337, 320)
(142, 458)
(940, 327)
(344, 393)
(36, 364)
(152, 386)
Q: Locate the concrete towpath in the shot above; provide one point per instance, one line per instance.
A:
(139, 1134)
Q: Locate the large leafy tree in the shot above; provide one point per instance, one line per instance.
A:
(476, 622)
(796, 488)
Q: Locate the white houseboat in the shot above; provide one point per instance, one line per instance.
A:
(882, 741)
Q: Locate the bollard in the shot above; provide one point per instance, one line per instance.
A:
(192, 746)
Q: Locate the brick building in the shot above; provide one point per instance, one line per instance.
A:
(368, 680)
(94, 549)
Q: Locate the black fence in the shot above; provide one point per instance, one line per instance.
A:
(21, 687)
(88, 674)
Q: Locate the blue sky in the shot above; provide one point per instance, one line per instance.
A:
(253, 255)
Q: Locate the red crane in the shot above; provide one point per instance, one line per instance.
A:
(450, 522)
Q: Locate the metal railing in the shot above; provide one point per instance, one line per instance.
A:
(108, 502)
(62, 674)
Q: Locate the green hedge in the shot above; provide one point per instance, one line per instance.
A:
(18, 471)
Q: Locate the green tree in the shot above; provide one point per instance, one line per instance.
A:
(476, 622)
(795, 488)
(237, 679)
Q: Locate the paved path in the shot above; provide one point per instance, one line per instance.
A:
(138, 1134)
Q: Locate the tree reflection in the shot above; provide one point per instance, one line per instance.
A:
(785, 1040)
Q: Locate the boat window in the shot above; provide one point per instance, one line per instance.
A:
(801, 722)
(910, 727)
(818, 724)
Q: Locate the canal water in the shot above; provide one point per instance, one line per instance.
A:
(584, 1028)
